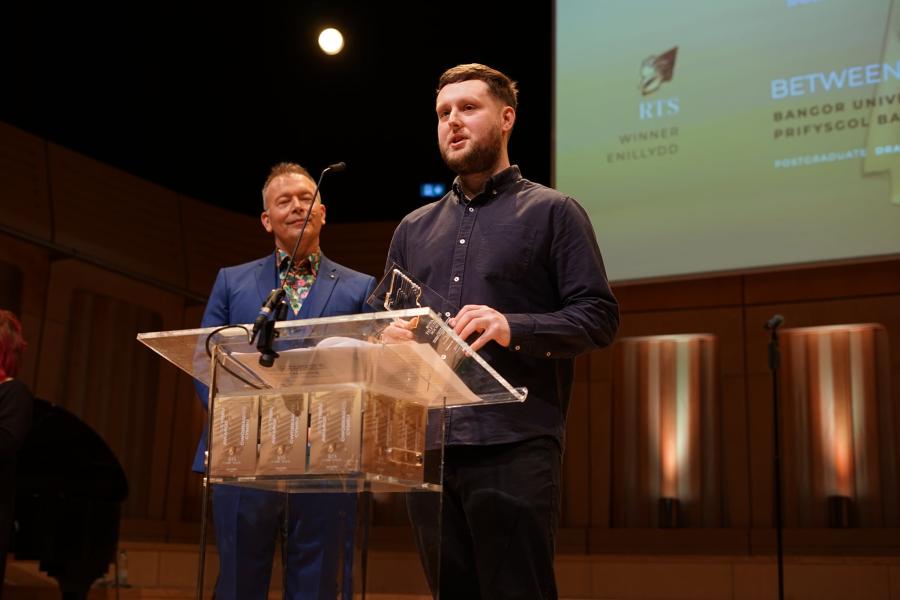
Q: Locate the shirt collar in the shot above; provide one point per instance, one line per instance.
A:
(493, 186)
(307, 266)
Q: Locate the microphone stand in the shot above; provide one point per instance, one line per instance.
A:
(774, 361)
(267, 335)
(275, 303)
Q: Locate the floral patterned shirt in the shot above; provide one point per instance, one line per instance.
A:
(299, 281)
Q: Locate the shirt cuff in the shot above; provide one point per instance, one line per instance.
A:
(521, 333)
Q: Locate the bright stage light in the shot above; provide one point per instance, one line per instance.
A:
(331, 41)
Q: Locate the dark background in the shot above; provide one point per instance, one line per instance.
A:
(203, 100)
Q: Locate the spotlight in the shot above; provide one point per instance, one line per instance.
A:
(331, 41)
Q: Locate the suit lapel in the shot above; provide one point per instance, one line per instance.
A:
(321, 290)
(266, 280)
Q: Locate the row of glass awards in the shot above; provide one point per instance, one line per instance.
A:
(343, 429)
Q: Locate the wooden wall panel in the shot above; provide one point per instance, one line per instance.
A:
(100, 373)
(110, 384)
(824, 283)
(760, 440)
(185, 491)
(33, 264)
(668, 541)
(820, 541)
(724, 323)
(600, 367)
(735, 459)
(877, 309)
(116, 217)
(24, 201)
(214, 238)
(576, 463)
(360, 246)
(11, 282)
(680, 294)
(600, 453)
(600, 443)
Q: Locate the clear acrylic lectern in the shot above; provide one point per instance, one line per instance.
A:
(347, 410)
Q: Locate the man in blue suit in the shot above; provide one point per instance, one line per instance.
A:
(247, 521)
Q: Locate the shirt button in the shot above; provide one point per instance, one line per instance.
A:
(462, 241)
(517, 348)
(456, 278)
(471, 209)
(446, 314)
(548, 355)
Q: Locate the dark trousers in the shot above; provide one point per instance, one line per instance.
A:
(316, 532)
(500, 514)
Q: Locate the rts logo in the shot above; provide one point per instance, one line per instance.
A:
(665, 107)
(655, 71)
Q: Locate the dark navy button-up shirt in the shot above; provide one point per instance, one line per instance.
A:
(530, 253)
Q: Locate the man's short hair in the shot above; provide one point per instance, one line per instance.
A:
(283, 168)
(12, 344)
(501, 87)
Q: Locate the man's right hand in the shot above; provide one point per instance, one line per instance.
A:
(398, 331)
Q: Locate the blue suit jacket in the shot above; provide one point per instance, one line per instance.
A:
(240, 291)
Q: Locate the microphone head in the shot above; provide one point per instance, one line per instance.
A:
(337, 167)
(774, 322)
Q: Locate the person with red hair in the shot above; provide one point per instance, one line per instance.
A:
(15, 419)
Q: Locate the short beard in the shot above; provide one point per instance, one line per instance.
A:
(480, 158)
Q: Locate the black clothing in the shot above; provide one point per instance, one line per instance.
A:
(530, 253)
(15, 420)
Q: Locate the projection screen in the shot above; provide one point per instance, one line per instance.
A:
(721, 135)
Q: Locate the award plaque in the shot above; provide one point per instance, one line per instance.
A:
(334, 430)
(235, 420)
(282, 434)
(394, 437)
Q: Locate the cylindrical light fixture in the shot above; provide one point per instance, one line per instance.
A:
(831, 420)
(664, 388)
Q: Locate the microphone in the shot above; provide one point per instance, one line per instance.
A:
(268, 306)
(277, 295)
(774, 322)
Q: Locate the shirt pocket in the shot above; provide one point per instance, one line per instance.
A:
(506, 251)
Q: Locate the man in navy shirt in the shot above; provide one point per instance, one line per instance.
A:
(516, 269)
